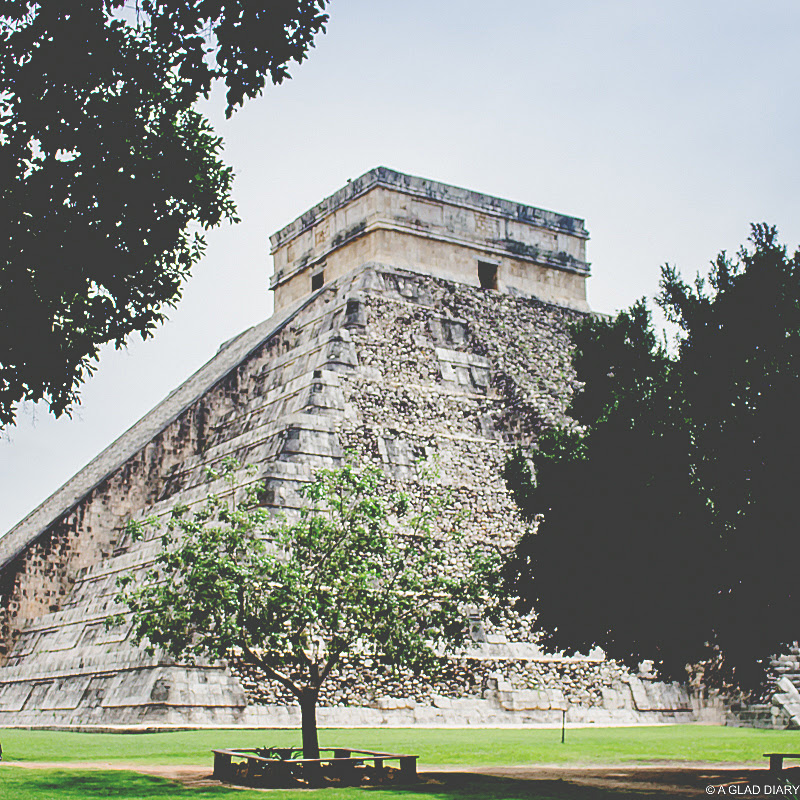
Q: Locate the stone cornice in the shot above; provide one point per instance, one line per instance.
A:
(431, 190)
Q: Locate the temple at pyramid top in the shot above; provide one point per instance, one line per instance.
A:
(387, 217)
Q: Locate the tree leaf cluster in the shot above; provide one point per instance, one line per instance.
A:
(363, 570)
(665, 524)
(240, 42)
(108, 174)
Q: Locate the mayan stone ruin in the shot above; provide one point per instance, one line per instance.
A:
(412, 320)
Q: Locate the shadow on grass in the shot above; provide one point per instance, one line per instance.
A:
(458, 786)
(27, 784)
(32, 784)
(602, 783)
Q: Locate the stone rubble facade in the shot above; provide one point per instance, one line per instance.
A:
(413, 321)
(783, 694)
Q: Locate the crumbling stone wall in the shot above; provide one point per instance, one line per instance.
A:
(581, 681)
(458, 375)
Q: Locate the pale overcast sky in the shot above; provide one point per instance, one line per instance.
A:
(667, 126)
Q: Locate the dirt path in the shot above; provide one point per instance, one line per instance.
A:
(672, 779)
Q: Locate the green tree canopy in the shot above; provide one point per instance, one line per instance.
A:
(362, 571)
(107, 173)
(668, 525)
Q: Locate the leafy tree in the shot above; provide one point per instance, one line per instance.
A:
(615, 536)
(360, 572)
(249, 39)
(739, 363)
(106, 170)
(668, 528)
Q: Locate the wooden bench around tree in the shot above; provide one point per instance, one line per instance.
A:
(279, 765)
(776, 760)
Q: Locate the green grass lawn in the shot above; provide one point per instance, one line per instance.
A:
(476, 746)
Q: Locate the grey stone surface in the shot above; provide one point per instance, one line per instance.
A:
(783, 710)
(430, 190)
(786, 698)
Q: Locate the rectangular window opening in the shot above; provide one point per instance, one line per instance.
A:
(317, 279)
(487, 275)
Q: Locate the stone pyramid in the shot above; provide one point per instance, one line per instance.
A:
(412, 319)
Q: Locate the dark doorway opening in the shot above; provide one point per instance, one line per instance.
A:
(487, 275)
(317, 280)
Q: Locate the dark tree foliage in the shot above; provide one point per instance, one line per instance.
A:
(669, 525)
(740, 370)
(107, 174)
(249, 39)
(614, 560)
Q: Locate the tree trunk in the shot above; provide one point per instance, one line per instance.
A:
(308, 709)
